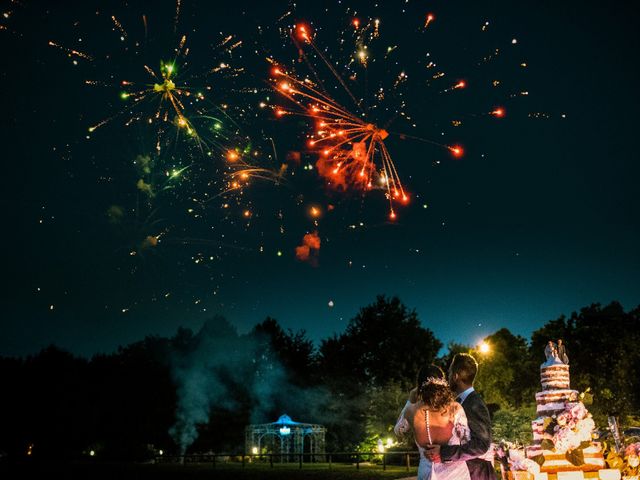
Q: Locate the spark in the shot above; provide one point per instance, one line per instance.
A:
(286, 14)
(232, 155)
(303, 32)
(456, 150)
(116, 22)
(177, 16)
(461, 84)
(315, 212)
(242, 173)
(430, 18)
(70, 52)
(362, 55)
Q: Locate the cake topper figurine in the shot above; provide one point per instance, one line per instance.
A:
(562, 352)
(551, 353)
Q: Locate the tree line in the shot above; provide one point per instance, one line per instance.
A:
(196, 391)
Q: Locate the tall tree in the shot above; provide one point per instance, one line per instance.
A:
(506, 376)
(294, 350)
(602, 343)
(385, 342)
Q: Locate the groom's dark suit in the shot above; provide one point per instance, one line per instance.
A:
(480, 425)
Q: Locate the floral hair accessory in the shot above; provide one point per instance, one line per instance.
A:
(435, 381)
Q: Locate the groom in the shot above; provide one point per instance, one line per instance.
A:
(462, 373)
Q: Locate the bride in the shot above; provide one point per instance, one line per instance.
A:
(435, 419)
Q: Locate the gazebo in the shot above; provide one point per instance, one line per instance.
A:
(286, 438)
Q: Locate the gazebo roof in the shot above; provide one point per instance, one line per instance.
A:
(285, 420)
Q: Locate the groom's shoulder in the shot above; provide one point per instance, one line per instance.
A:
(475, 400)
(476, 410)
(475, 396)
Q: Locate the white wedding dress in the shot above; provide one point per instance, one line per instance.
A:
(440, 471)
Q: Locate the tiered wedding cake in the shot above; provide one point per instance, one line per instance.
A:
(562, 432)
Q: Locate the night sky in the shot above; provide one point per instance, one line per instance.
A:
(538, 218)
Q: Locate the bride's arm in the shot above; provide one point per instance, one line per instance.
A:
(402, 426)
(479, 438)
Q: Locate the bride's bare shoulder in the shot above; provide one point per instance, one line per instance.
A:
(413, 395)
(412, 410)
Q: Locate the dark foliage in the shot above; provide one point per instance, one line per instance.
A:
(123, 405)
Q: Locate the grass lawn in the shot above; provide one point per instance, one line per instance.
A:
(234, 471)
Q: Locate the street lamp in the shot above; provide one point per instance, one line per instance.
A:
(484, 348)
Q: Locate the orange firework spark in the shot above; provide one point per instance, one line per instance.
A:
(120, 28)
(456, 150)
(457, 86)
(70, 52)
(240, 173)
(430, 18)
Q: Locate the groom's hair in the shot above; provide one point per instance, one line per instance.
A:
(465, 366)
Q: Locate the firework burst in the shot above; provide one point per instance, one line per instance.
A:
(170, 97)
(351, 148)
(188, 102)
(167, 97)
(159, 87)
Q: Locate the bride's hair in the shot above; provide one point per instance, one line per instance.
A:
(429, 371)
(436, 393)
(425, 372)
